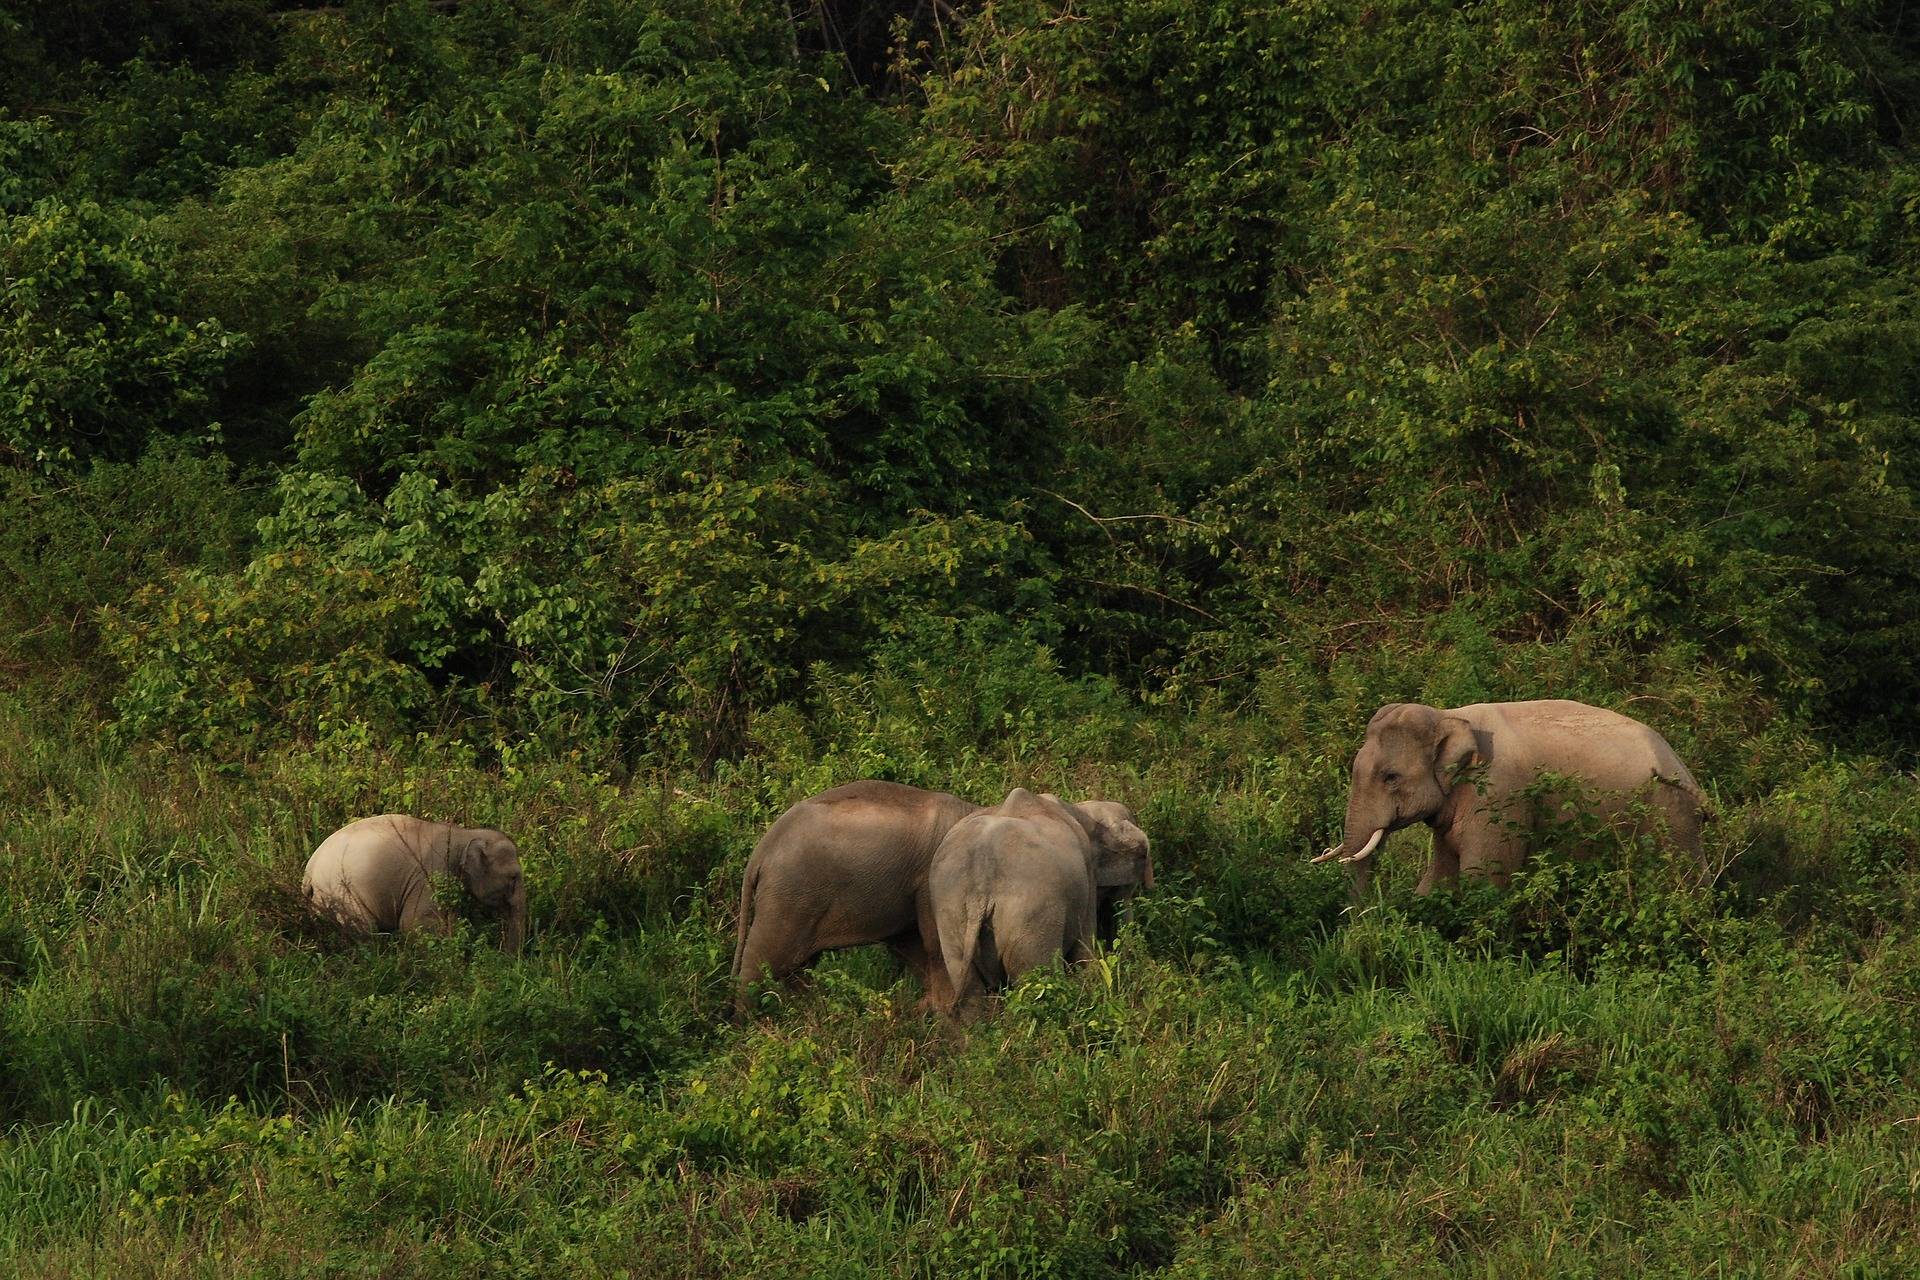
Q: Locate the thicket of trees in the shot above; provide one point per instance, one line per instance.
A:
(611, 421)
(597, 369)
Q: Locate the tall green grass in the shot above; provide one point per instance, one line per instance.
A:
(1613, 1069)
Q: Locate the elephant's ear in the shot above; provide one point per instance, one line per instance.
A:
(1089, 825)
(472, 860)
(1454, 747)
(1386, 712)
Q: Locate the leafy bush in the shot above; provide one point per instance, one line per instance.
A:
(96, 357)
(82, 543)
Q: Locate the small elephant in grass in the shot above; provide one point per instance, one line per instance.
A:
(374, 875)
(1017, 885)
(849, 867)
(1461, 771)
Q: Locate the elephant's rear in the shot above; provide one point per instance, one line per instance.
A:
(1681, 801)
(776, 871)
(323, 873)
(962, 912)
(767, 848)
(358, 875)
(1615, 753)
(1043, 929)
(323, 883)
(961, 885)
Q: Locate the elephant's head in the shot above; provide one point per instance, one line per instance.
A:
(489, 866)
(1403, 774)
(1122, 855)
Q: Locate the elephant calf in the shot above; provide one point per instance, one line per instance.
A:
(374, 875)
(1464, 771)
(1014, 886)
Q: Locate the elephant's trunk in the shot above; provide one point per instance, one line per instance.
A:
(1365, 851)
(1365, 829)
(513, 933)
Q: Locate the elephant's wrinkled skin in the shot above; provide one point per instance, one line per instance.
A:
(374, 875)
(1017, 885)
(849, 867)
(1461, 772)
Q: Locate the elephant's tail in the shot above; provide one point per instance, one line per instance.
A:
(965, 934)
(748, 885)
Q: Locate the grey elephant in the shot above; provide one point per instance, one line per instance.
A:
(1017, 886)
(1122, 874)
(849, 867)
(1462, 772)
(374, 875)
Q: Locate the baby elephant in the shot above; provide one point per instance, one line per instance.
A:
(374, 875)
(1014, 886)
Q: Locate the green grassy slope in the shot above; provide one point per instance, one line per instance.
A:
(1611, 1070)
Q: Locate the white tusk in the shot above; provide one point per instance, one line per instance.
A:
(1328, 854)
(1366, 850)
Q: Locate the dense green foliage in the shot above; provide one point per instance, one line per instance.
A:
(616, 421)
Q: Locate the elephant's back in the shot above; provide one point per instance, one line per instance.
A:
(1551, 720)
(1550, 716)
(1006, 848)
(870, 839)
(1609, 748)
(371, 837)
(979, 847)
(876, 792)
(381, 827)
(975, 837)
(369, 862)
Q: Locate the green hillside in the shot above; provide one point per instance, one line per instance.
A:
(615, 421)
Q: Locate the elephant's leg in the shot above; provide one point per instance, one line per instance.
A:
(935, 982)
(1484, 850)
(421, 912)
(1077, 944)
(1443, 868)
(1078, 948)
(936, 989)
(776, 949)
(906, 948)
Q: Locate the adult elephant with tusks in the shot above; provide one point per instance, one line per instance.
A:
(1466, 772)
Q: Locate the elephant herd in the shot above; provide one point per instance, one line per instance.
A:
(971, 897)
(968, 897)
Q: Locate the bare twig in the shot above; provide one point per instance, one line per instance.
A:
(1158, 595)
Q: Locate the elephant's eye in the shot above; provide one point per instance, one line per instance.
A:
(1389, 777)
